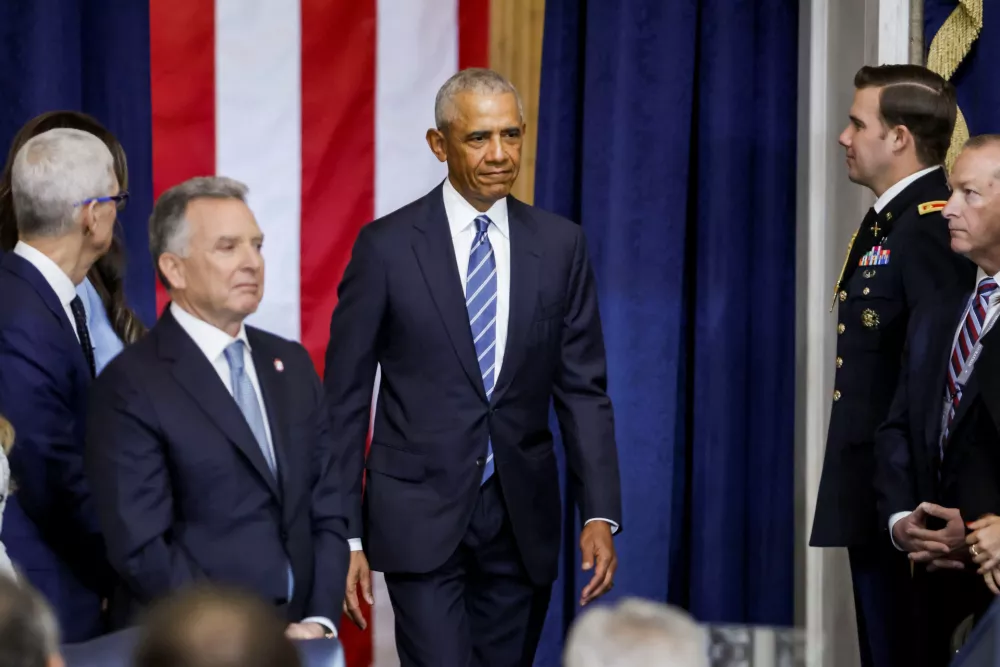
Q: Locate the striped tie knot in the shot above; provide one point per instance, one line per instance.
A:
(483, 223)
(986, 287)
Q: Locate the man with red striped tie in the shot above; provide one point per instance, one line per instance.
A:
(938, 459)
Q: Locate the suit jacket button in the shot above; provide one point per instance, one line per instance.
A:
(480, 462)
(841, 328)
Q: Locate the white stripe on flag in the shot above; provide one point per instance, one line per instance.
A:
(258, 137)
(417, 52)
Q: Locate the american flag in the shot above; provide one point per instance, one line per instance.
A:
(320, 107)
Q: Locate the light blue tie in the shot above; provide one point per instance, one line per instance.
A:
(481, 302)
(246, 398)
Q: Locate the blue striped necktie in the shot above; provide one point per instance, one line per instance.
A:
(481, 302)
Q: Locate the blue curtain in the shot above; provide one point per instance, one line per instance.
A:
(975, 78)
(91, 56)
(668, 130)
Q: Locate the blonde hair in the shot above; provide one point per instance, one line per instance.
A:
(6, 435)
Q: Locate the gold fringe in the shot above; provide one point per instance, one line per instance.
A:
(953, 41)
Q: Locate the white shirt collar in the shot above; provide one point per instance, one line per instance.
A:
(210, 340)
(462, 214)
(56, 278)
(891, 193)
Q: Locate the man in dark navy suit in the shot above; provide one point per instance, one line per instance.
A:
(65, 195)
(896, 141)
(208, 445)
(938, 454)
(481, 311)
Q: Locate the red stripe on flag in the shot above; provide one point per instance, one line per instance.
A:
(473, 33)
(338, 180)
(182, 82)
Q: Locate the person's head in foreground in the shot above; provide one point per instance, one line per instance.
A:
(900, 123)
(214, 627)
(636, 633)
(973, 210)
(29, 632)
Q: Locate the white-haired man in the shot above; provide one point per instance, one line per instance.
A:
(636, 633)
(65, 201)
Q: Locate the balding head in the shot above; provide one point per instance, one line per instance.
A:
(636, 632)
(214, 628)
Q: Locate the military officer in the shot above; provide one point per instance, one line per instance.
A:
(900, 128)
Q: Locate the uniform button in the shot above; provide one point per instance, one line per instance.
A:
(843, 295)
(480, 462)
(836, 396)
(840, 328)
(865, 291)
(840, 362)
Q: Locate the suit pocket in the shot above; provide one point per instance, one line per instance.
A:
(396, 463)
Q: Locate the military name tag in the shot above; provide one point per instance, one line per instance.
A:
(877, 256)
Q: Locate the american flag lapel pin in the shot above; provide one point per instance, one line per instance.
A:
(278, 366)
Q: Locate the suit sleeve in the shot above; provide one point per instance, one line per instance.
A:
(131, 480)
(894, 473)
(581, 401)
(930, 265)
(36, 393)
(351, 363)
(329, 523)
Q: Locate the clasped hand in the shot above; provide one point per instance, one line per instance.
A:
(984, 549)
(941, 549)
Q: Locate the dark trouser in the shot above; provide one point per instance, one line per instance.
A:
(952, 596)
(479, 608)
(888, 611)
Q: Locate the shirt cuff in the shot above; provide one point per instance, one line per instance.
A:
(354, 543)
(322, 620)
(614, 526)
(892, 522)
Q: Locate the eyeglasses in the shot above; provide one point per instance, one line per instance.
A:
(119, 199)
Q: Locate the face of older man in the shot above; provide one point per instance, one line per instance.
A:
(482, 146)
(221, 278)
(973, 211)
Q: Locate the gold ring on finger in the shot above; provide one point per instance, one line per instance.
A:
(974, 550)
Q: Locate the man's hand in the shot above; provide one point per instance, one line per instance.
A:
(358, 574)
(942, 548)
(596, 544)
(305, 631)
(901, 530)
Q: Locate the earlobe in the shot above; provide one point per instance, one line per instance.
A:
(435, 140)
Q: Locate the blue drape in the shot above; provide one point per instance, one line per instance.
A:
(91, 56)
(975, 78)
(668, 131)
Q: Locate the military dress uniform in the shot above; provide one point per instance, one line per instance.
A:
(899, 255)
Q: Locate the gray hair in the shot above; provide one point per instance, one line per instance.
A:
(52, 173)
(471, 80)
(636, 632)
(29, 632)
(168, 226)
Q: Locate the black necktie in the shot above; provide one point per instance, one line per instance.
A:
(80, 315)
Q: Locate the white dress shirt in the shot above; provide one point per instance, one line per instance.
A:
(213, 343)
(56, 278)
(891, 193)
(991, 312)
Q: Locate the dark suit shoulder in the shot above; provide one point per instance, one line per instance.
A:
(545, 222)
(282, 348)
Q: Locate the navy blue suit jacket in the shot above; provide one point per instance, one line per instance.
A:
(50, 526)
(182, 487)
(909, 469)
(401, 305)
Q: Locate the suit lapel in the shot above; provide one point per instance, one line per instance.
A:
(24, 269)
(273, 391)
(435, 253)
(523, 293)
(199, 379)
(940, 350)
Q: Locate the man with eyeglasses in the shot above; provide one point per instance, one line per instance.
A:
(65, 200)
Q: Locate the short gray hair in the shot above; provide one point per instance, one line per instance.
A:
(29, 632)
(54, 171)
(168, 227)
(636, 632)
(471, 80)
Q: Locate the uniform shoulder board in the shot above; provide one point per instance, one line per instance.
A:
(931, 206)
